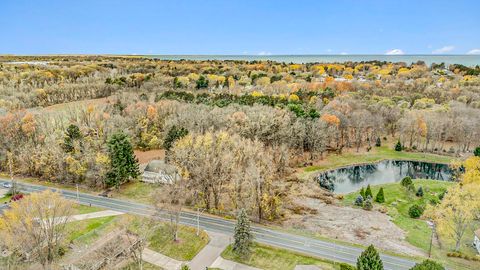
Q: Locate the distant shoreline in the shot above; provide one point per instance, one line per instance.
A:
(463, 59)
(448, 59)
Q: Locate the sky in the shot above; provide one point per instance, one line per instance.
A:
(237, 27)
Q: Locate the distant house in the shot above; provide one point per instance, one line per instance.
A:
(157, 171)
(476, 240)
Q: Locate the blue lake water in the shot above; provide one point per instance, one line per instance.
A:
(352, 178)
(467, 60)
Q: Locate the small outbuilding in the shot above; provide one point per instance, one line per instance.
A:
(158, 172)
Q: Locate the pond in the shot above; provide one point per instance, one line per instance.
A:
(352, 178)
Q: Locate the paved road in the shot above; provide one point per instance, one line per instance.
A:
(306, 245)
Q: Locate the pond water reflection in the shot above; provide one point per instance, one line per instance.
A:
(348, 179)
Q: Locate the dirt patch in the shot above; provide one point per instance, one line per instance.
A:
(351, 225)
(146, 156)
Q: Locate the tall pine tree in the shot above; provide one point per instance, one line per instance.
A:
(123, 163)
(369, 260)
(380, 198)
(243, 235)
(368, 192)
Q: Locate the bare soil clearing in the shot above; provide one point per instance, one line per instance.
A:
(147, 156)
(352, 225)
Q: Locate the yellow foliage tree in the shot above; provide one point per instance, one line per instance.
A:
(460, 206)
(36, 225)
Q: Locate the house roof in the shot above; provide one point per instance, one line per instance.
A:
(157, 166)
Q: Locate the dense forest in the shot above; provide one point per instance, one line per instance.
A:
(230, 126)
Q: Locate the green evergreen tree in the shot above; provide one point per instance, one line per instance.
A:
(369, 260)
(368, 192)
(123, 163)
(202, 82)
(242, 235)
(362, 193)
(398, 146)
(380, 198)
(71, 135)
(428, 265)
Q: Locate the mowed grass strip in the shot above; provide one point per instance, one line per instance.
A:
(270, 258)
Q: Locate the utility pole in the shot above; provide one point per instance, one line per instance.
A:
(10, 168)
(198, 220)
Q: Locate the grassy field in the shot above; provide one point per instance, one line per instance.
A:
(187, 246)
(375, 155)
(397, 202)
(270, 258)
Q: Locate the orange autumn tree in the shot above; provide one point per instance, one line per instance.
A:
(330, 119)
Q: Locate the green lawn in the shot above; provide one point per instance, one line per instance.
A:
(136, 191)
(270, 258)
(5, 199)
(397, 202)
(87, 231)
(187, 246)
(375, 155)
(79, 209)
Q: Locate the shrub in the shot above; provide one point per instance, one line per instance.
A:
(463, 256)
(368, 204)
(202, 82)
(380, 198)
(16, 197)
(441, 195)
(406, 181)
(434, 201)
(428, 265)
(476, 152)
(415, 211)
(378, 142)
(345, 266)
(369, 260)
(359, 201)
(398, 146)
(419, 192)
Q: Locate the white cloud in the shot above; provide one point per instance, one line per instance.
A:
(343, 53)
(395, 52)
(444, 49)
(264, 53)
(474, 51)
(329, 50)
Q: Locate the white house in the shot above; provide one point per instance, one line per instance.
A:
(476, 240)
(157, 171)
